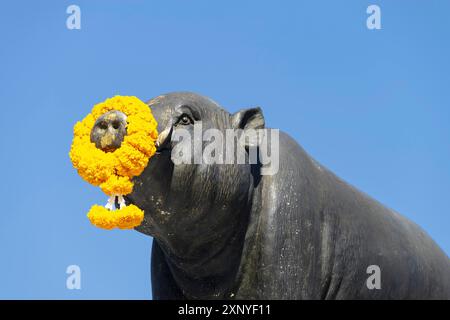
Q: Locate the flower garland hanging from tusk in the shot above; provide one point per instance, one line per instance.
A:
(113, 171)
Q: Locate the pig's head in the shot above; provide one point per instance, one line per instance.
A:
(193, 209)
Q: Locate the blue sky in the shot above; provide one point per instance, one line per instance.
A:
(371, 105)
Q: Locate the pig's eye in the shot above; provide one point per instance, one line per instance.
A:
(184, 120)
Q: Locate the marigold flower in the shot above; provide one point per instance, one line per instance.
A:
(125, 218)
(113, 171)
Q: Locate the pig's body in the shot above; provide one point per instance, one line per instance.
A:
(230, 232)
(313, 236)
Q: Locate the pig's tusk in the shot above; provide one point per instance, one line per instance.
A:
(163, 136)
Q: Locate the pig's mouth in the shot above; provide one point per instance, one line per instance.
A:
(128, 200)
(158, 165)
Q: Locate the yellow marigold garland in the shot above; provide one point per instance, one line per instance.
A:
(113, 171)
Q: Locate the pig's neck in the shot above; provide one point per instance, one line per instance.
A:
(212, 273)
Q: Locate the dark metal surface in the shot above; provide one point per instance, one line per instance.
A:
(225, 231)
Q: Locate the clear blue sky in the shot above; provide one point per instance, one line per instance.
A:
(373, 106)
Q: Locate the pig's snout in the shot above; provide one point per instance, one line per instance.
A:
(109, 130)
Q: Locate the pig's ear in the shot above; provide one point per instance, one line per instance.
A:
(248, 119)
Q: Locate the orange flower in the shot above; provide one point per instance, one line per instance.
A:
(113, 171)
(125, 218)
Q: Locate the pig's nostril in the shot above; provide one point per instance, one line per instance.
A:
(116, 124)
(103, 125)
